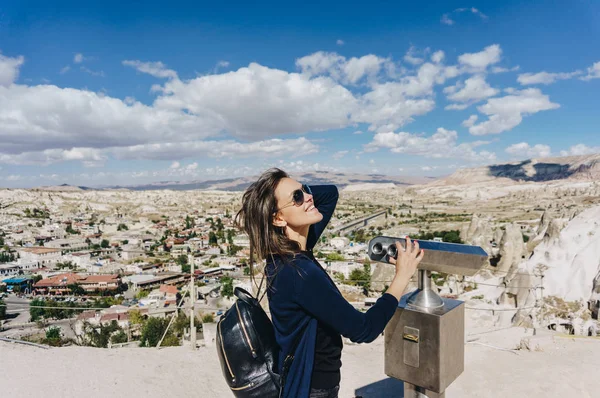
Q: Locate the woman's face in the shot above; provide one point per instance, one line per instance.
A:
(290, 213)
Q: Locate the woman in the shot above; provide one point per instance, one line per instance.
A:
(284, 220)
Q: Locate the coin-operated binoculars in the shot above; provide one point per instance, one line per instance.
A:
(425, 339)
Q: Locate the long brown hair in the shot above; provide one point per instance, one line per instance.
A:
(255, 218)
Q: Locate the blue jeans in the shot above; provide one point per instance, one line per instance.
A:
(328, 393)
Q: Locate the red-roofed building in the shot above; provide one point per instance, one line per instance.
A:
(59, 284)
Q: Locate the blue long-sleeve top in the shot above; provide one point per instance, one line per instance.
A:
(301, 293)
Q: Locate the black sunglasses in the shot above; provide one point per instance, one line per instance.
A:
(297, 197)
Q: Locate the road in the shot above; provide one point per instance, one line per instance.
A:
(17, 310)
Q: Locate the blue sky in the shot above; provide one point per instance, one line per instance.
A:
(155, 91)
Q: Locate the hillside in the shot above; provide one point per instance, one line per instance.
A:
(585, 167)
(342, 180)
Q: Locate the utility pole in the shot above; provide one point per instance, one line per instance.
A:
(539, 271)
(192, 305)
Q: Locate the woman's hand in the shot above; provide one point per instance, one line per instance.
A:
(407, 259)
(406, 263)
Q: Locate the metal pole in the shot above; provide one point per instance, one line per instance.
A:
(412, 391)
(192, 306)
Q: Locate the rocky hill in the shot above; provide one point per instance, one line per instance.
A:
(585, 167)
(342, 180)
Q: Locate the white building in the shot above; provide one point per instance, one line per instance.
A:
(43, 256)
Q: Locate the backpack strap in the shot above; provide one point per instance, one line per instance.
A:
(287, 362)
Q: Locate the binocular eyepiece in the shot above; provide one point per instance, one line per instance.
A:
(450, 258)
(390, 251)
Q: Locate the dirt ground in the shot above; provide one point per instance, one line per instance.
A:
(567, 367)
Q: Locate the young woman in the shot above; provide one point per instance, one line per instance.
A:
(284, 220)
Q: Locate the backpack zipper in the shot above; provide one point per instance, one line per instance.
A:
(243, 387)
(254, 355)
(224, 353)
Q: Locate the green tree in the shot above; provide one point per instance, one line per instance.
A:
(104, 244)
(183, 261)
(362, 277)
(136, 317)
(122, 227)
(334, 257)
(53, 337)
(212, 239)
(189, 222)
(76, 289)
(99, 336)
(119, 337)
(227, 286)
(208, 318)
(7, 257)
(152, 332)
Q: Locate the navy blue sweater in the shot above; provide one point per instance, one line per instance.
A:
(300, 293)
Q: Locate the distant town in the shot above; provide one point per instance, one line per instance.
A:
(103, 279)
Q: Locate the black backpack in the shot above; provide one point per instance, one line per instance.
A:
(248, 351)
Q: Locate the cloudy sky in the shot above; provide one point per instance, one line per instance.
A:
(129, 94)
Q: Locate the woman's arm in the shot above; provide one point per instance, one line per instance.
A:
(316, 294)
(325, 198)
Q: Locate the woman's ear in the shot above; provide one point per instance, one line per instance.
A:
(278, 221)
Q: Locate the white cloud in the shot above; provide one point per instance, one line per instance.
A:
(90, 157)
(507, 112)
(580, 149)
(256, 101)
(223, 64)
(456, 107)
(92, 72)
(501, 69)
(371, 161)
(481, 60)
(545, 77)
(339, 154)
(593, 72)
(217, 149)
(357, 132)
(9, 69)
(339, 42)
(387, 107)
(442, 144)
(523, 149)
(64, 69)
(448, 21)
(473, 10)
(156, 69)
(78, 58)
(474, 89)
(412, 58)
(470, 121)
(46, 117)
(437, 57)
(341, 69)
